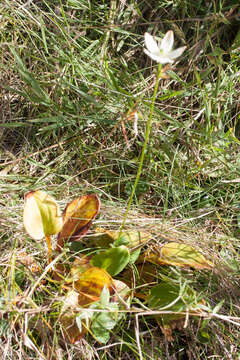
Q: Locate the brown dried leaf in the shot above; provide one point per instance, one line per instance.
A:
(71, 331)
(167, 329)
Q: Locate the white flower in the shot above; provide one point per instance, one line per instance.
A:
(162, 52)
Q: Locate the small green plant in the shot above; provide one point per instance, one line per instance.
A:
(162, 53)
(93, 295)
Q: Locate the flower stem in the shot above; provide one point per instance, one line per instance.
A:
(48, 239)
(147, 134)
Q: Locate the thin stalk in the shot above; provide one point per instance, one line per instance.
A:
(147, 134)
(48, 239)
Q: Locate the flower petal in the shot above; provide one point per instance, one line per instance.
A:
(167, 42)
(159, 58)
(176, 53)
(151, 44)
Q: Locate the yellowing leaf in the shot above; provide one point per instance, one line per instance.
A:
(41, 215)
(131, 238)
(91, 283)
(178, 254)
(102, 237)
(78, 217)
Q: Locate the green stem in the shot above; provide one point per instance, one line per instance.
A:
(147, 134)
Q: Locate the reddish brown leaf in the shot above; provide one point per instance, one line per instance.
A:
(77, 218)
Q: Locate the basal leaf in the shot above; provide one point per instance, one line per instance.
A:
(91, 283)
(102, 238)
(166, 295)
(172, 297)
(41, 215)
(134, 256)
(77, 218)
(113, 260)
(131, 238)
(178, 254)
(176, 299)
(144, 274)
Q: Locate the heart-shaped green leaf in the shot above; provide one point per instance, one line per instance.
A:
(113, 260)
